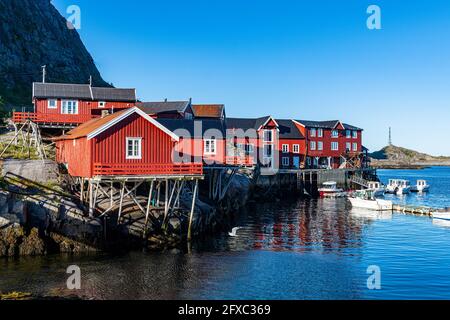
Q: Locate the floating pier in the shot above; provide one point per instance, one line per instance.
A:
(416, 210)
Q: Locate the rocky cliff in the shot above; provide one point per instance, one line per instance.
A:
(32, 34)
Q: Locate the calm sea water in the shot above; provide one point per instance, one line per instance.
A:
(299, 250)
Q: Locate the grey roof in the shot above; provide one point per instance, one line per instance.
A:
(162, 107)
(113, 94)
(196, 128)
(81, 91)
(288, 129)
(330, 124)
(59, 90)
(245, 123)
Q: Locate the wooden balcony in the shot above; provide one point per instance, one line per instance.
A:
(22, 117)
(139, 169)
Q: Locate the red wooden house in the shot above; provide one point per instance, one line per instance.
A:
(331, 144)
(126, 143)
(68, 105)
(275, 143)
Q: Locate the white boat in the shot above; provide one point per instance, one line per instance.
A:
(404, 187)
(421, 186)
(365, 199)
(392, 186)
(377, 189)
(398, 186)
(443, 214)
(330, 190)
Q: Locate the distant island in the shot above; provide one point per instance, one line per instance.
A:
(393, 157)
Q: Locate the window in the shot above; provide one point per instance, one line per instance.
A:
(210, 146)
(296, 148)
(69, 107)
(102, 104)
(313, 132)
(134, 146)
(313, 145)
(52, 104)
(348, 146)
(308, 161)
(268, 150)
(335, 146)
(355, 134)
(355, 147)
(249, 148)
(320, 133)
(348, 133)
(320, 145)
(335, 133)
(268, 136)
(285, 148)
(285, 161)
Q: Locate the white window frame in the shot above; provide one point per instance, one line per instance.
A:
(210, 147)
(296, 148)
(134, 156)
(333, 135)
(285, 148)
(285, 161)
(355, 134)
(320, 133)
(264, 136)
(268, 147)
(348, 134)
(64, 106)
(333, 145)
(52, 100)
(355, 146)
(313, 146)
(313, 132)
(102, 104)
(320, 145)
(348, 146)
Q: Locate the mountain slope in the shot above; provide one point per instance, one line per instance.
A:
(33, 34)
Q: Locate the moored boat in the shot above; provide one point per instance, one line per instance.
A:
(443, 214)
(404, 187)
(366, 199)
(420, 186)
(377, 189)
(392, 186)
(330, 190)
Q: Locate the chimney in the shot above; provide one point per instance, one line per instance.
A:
(44, 73)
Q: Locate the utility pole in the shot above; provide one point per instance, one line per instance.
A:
(390, 136)
(44, 73)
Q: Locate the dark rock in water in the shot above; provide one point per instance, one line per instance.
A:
(32, 245)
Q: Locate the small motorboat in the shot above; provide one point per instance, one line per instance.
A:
(404, 187)
(421, 186)
(377, 189)
(443, 214)
(392, 186)
(330, 190)
(366, 199)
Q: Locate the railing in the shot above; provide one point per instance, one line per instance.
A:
(21, 117)
(239, 161)
(115, 169)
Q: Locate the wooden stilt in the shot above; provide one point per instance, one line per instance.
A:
(122, 192)
(191, 217)
(149, 202)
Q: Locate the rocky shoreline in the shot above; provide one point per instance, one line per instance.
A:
(36, 222)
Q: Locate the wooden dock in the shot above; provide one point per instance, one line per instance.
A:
(416, 210)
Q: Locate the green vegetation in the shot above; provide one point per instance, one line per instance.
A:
(19, 152)
(399, 154)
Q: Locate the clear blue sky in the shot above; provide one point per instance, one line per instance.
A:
(291, 59)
